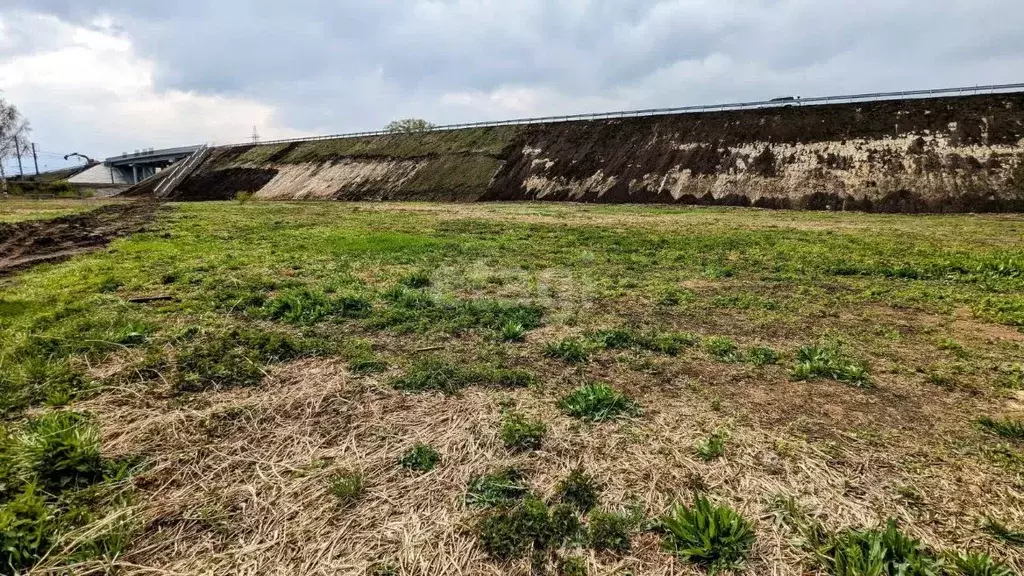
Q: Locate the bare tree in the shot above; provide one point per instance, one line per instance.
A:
(13, 137)
(409, 126)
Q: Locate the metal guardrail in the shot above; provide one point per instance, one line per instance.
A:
(777, 103)
(150, 153)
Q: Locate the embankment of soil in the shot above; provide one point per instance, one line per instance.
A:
(955, 154)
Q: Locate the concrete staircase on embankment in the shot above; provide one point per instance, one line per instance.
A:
(178, 172)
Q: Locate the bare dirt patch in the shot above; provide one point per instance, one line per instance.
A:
(967, 325)
(26, 244)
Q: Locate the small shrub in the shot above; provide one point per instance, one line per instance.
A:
(574, 350)
(762, 356)
(714, 537)
(615, 338)
(829, 362)
(513, 332)
(409, 126)
(887, 551)
(579, 489)
(977, 564)
(236, 358)
(502, 534)
(416, 280)
(26, 528)
(347, 488)
(671, 343)
(508, 533)
(722, 348)
(349, 306)
(62, 450)
(504, 487)
(573, 566)
(711, 447)
(243, 197)
(565, 524)
(597, 403)
(421, 458)
(522, 434)
(609, 531)
(302, 306)
(1013, 429)
(438, 374)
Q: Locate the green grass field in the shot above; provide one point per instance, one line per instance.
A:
(506, 388)
(14, 209)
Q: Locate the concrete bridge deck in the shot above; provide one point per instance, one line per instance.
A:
(142, 164)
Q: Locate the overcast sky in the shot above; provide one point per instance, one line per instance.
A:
(107, 76)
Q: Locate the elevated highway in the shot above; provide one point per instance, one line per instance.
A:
(142, 164)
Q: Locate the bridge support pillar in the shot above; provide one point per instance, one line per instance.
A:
(135, 174)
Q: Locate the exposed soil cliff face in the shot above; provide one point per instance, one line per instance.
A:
(936, 155)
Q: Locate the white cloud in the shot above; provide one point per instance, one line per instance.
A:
(88, 90)
(113, 75)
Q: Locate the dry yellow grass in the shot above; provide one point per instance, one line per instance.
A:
(240, 480)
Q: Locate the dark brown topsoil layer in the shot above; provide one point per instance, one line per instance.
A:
(223, 184)
(633, 148)
(24, 244)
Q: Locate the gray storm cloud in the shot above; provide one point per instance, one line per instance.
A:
(349, 65)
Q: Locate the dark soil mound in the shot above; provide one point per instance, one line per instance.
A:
(24, 244)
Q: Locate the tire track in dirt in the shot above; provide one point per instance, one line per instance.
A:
(25, 244)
